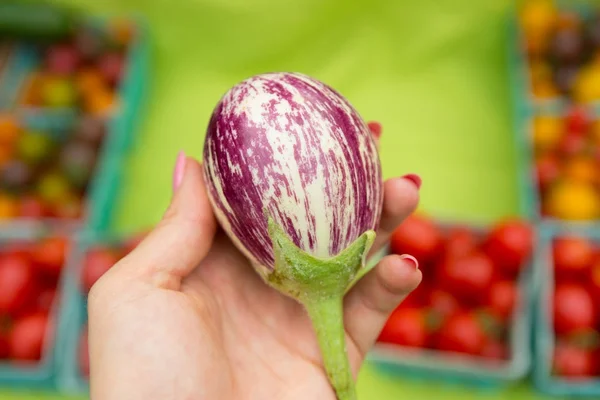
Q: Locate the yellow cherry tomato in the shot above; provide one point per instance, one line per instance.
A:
(33, 91)
(6, 154)
(100, 102)
(573, 200)
(89, 80)
(587, 84)
(581, 169)
(547, 132)
(538, 17)
(9, 207)
(122, 31)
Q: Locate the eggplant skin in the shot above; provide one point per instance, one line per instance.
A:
(290, 147)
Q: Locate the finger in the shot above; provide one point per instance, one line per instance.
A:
(182, 238)
(400, 199)
(369, 304)
(376, 130)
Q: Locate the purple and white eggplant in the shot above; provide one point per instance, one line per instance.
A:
(295, 180)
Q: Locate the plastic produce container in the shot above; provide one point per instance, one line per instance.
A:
(25, 61)
(545, 338)
(478, 371)
(39, 374)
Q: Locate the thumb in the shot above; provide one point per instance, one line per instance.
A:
(182, 238)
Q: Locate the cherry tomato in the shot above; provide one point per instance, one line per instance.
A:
(31, 206)
(406, 327)
(26, 338)
(417, 236)
(442, 303)
(17, 283)
(547, 167)
(502, 298)
(97, 262)
(573, 256)
(571, 144)
(46, 298)
(495, 349)
(8, 207)
(62, 60)
(112, 66)
(577, 121)
(594, 279)
(469, 277)
(574, 362)
(71, 207)
(49, 255)
(9, 130)
(84, 355)
(509, 245)
(460, 241)
(574, 309)
(461, 333)
(4, 349)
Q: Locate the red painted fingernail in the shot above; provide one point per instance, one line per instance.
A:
(375, 128)
(178, 171)
(411, 259)
(414, 178)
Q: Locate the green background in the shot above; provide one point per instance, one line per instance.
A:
(433, 72)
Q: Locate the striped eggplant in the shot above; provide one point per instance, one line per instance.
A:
(294, 179)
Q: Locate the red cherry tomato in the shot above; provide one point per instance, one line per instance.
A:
(460, 241)
(573, 256)
(27, 335)
(97, 262)
(32, 207)
(461, 333)
(509, 245)
(573, 362)
(502, 298)
(84, 355)
(469, 277)
(442, 303)
(571, 144)
(406, 327)
(17, 284)
(548, 170)
(46, 298)
(574, 309)
(495, 349)
(49, 255)
(594, 279)
(417, 236)
(4, 349)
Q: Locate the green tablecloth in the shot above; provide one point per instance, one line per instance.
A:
(433, 72)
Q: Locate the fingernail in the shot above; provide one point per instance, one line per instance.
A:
(414, 178)
(411, 259)
(178, 171)
(375, 128)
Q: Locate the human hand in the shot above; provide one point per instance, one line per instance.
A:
(184, 316)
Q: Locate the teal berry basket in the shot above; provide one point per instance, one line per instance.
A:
(70, 379)
(477, 372)
(40, 374)
(121, 124)
(545, 338)
(526, 108)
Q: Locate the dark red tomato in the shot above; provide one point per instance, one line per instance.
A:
(573, 256)
(17, 284)
(594, 279)
(460, 241)
(84, 354)
(461, 333)
(442, 303)
(26, 338)
(417, 236)
(574, 309)
(495, 349)
(4, 350)
(548, 170)
(468, 278)
(32, 207)
(509, 245)
(406, 327)
(502, 298)
(574, 362)
(49, 255)
(97, 262)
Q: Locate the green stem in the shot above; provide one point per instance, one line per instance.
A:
(328, 321)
